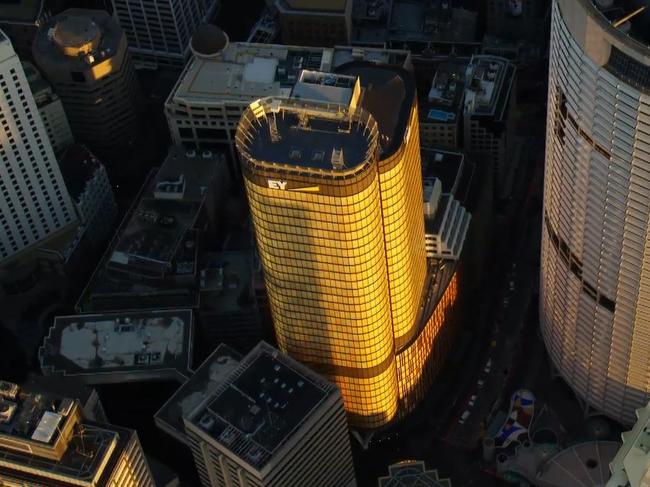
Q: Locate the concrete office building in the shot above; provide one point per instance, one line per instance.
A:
(332, 274)
(487, 117)
(45, 440)
(594, 287)
(84, 54)
(215, 88)
(20, 21)
(34, 203)
(270, 421)
(91, 191)
(153, 261)
(159, 31)
(441, 93)
(315, 22)
(50, 108)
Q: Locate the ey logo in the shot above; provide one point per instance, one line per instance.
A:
(275, 184)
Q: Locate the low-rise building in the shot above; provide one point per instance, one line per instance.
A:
(45, 440)
(120, 347)
(271, 421)
(446, 221)
(315, 22)
(153, 259)
(215, 88)
(488, 116)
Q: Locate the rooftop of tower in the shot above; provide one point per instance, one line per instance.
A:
(261, 404)
(77, 39)
(31, 426)
(314, 136)
(637, 26)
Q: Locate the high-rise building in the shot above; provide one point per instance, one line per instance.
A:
(45, 440)
(333, 177)
(34, 203)
(215, 88)
(159, 31)
(84, 54)
(268, 421)
(594, 265)
(20, 21)
(315, 22)
(90, 189)
(487, 119)
(50, 108)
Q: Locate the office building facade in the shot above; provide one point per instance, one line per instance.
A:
(270, 421)
(315, 22)
(45, 440)
(594, 267)
(34, 202)
(336, 199)
(84, 55)
(50, 109)
(159, 31)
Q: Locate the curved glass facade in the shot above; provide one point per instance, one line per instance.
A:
(342, 248)
(594, 267)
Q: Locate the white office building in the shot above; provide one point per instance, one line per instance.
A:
(159, 31)
(595, 265)
(51, 110)
(34, 203)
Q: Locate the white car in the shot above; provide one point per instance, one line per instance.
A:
(472, 400)
(511, 286)
(480, 383)
(488, 366)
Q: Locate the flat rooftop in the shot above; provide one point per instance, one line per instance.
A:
(20, 11)
(316, 138)
(210, 375)
(226, 279)
(246, 71)
(488, 81)
(261, 405)
(379, 21)
(388, 94)
(446, 166)
(103, 348)
(157, 240)
(440, 96)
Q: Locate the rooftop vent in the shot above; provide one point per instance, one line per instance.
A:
(7, 411)
(171, 189)
(338, 161)
(9, 390)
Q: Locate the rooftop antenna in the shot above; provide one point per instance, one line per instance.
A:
(629, 16)
(273, 129)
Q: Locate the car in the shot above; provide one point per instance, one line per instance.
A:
(464, 417)
(511, 285)
(472, 400)
(480, 383)
(488, 366)
(506, 302)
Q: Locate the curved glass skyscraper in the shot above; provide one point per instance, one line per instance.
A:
(333, 177)
(595, 265)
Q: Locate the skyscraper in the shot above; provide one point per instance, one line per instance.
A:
(159, 31)
(34, 203)
(45, 440)
(267, 421)
(594, 263)
(83, 53)
(333, 179)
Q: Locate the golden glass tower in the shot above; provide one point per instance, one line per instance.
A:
(333, 177)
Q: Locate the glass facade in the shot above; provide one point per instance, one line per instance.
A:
(344, 257)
